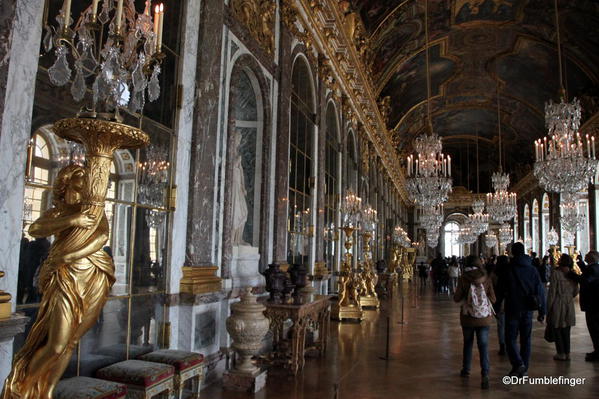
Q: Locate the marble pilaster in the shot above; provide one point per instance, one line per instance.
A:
(321, 146)
(282, 149)
(19, 64)
(203, 189)
(184, 129)
(7, 17)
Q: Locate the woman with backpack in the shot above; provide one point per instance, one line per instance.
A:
(561, 315)
(475, 292)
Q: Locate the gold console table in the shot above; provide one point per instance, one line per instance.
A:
(311, 310)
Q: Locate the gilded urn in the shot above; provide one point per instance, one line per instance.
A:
(247, 326)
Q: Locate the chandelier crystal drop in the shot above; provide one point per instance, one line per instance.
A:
(565, 161)
(114, 48)
(501, 204)
(506, 234)
(429, 172)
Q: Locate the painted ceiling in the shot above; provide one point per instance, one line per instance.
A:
(476, 48)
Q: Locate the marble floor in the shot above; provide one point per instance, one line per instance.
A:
(424, 359)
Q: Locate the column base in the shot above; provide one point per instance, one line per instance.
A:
(236, 381)
(321, 271)
(350, 312)
(200, 280)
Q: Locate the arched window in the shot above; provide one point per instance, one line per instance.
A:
(301, 161)
(451, 232)
(248, 124)
(331, 184)
(535, 227)
(546, 225)
(582, 236)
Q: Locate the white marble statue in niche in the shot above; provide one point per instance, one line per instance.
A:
(238, 202)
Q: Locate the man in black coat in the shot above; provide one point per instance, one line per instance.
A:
(516, 286)
(589, 300)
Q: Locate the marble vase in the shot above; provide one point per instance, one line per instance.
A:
(247, 326)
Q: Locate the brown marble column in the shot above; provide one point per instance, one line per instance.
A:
(592, 217)
(7, 18)
(282, 149)
(202, 204)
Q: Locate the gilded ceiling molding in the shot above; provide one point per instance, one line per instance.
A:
(259, 18)
(340, 37)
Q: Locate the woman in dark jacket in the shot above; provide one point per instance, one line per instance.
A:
(561, 315)
(475, 292)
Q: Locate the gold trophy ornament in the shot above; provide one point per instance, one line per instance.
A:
(76, 278)
(348, 305)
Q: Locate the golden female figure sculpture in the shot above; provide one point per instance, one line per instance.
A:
(76, 277)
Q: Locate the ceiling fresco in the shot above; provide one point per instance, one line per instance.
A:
(477, 48)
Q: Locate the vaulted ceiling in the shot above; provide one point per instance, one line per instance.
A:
(475, 47)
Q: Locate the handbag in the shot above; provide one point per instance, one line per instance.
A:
(531, 301)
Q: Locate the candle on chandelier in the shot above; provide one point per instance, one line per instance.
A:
(94, 10)
(160, 26)
(148, 7)
(67, 13)
(448, 165)
(119, 16)
(593, 145)
(156, 20)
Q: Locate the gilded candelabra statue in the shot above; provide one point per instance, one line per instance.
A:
(76, 277)
(348, 305)
(368, 277)
(408, 261)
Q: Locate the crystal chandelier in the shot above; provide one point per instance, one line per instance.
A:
(490, 239)
(568, 238)
(431, 218)
(351, 207)
(113, 47)
(479, 220)
(432, 239)
(369, 219)
(570, 219)
(400, 237)
(429, 171)
(552, 237)
(506, 234)
(564, 164)
(501, 204)
(467, 235)
(153, 184)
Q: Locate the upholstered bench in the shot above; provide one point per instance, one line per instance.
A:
(188, 366)
(89, 388)
(143, 379)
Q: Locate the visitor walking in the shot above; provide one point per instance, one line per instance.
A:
(523, 292)
(454, 273)
(501, 268)
(423, 274)
(476, 293)
(589, 301)
(561, 315)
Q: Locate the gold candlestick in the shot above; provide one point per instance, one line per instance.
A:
(368, 278)
(76, 277)
(348, 304)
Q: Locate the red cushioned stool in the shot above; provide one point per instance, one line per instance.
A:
(188, 366)
(143, 379)
(89, 388)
